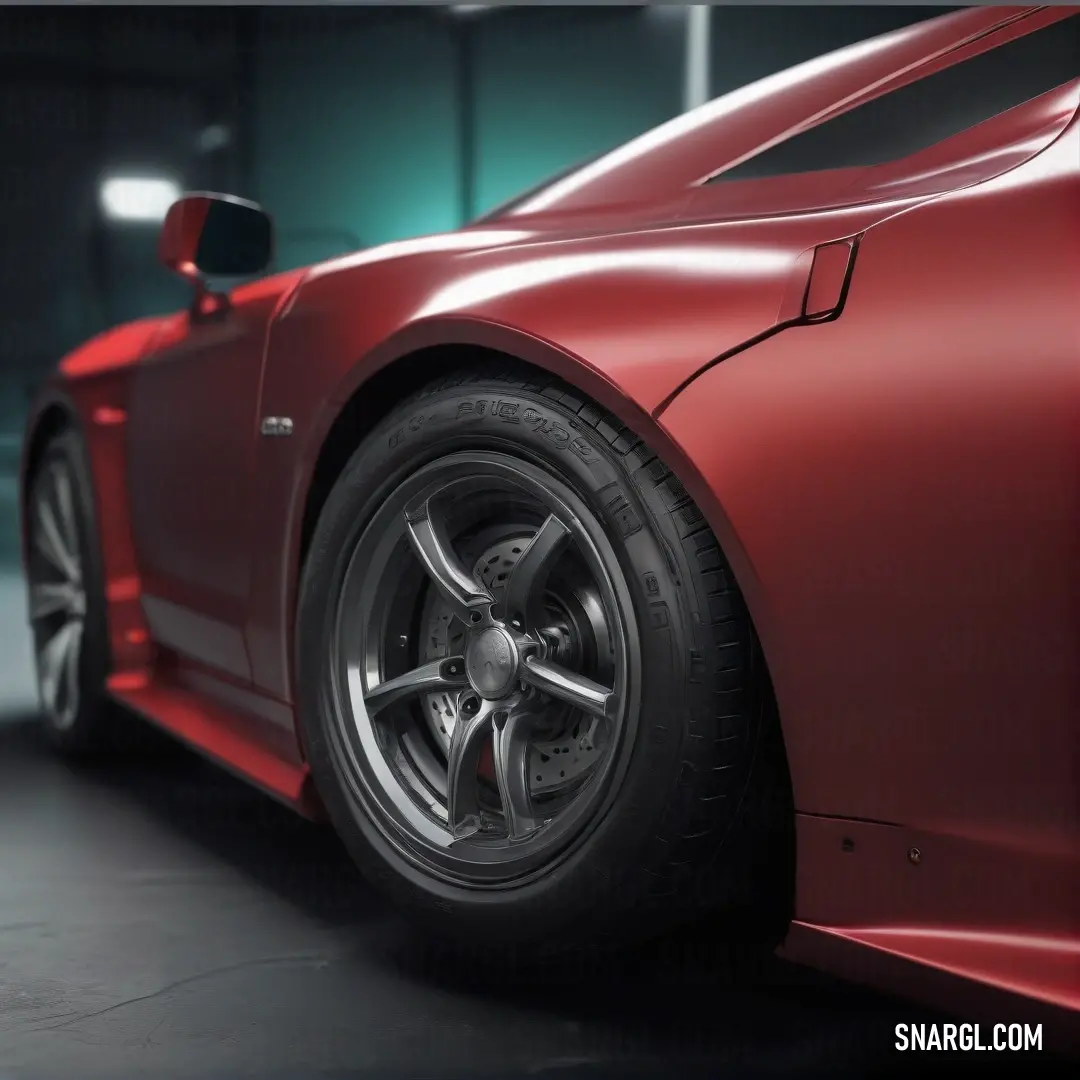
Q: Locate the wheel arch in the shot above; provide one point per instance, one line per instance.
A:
(95, 410)
(365, 408)
(426, 350)
(418, 353)
(432, 348)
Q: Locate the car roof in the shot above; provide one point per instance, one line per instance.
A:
(698, 144)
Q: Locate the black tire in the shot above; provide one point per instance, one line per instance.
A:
(97, 728)
(665, 850)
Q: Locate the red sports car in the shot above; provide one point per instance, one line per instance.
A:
(715, 504)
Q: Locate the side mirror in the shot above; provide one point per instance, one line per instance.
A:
(207, 235)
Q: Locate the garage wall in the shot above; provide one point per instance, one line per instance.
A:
(555, 86)
(354, 127)
(359, 116)
(44, 276)
(81, 90)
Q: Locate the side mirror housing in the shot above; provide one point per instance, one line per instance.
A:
(207, 235)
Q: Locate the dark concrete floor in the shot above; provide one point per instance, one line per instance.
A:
(168, 921)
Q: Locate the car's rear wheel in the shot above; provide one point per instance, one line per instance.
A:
(67, 603)
(530, 691)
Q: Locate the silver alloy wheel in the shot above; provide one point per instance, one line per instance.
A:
(57, 593)
(486, 717)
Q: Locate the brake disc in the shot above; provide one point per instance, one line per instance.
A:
(570, 742)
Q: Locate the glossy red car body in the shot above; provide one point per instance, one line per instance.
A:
(889, 453)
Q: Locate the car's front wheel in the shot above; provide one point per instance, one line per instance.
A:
(530, 691)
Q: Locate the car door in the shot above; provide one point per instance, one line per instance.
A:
(192, 426)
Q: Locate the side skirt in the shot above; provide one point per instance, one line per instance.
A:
(245, 746)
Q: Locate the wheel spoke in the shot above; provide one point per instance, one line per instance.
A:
(570, 687)
(52, 659)
(432, 548)
(48, 598)
(462, 772)
(525, 589)
(65, 504)
(426, 679)
(50, 541)
(71, 669)
(510, 748)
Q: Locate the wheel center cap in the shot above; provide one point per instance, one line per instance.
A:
(491, 662)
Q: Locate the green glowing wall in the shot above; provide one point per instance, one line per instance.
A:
(354, 131)
(555, 86)
(358, 121)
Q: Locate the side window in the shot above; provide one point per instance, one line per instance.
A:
(929, 110)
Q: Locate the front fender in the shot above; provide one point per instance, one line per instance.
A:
(638, 312)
